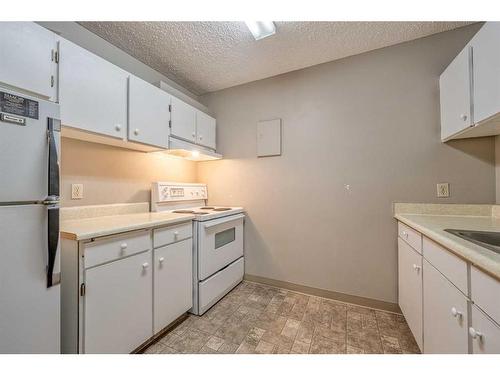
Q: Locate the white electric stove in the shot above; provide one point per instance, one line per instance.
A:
(218, 261)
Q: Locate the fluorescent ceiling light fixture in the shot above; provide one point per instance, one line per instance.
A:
(261, 29)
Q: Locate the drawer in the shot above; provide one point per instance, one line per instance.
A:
(485, 333)
(410, 236)
(174, 233)
(451, 266)
(485, 292)
(216, 286)
(110, 248)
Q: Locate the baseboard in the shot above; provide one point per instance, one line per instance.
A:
(342, 297)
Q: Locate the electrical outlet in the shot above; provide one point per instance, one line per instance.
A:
(76, 191)
(443, 190)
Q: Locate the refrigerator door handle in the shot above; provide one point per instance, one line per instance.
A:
(52, 202)
(53, 190)
(53, 242)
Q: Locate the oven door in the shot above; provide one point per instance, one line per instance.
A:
(220, 242)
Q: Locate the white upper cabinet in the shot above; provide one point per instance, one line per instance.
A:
(205, 130)
(486, 48)
(148, 114)
(92, 92)
(183, 120)
(470, 88)
(27, 58)
(455, 91)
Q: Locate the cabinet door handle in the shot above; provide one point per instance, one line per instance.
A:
(161, 260)
(145, 265)
(463, 117)
(201, 137)
(136, 132)
(118, 127)
(176, 233)
(405, 234)
(416, 268)
(456, 313)
(194, 135)
(475, 334)
(123, 246)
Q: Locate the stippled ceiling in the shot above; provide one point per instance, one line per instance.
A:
(209, 56)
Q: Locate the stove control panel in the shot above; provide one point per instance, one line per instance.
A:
(174, 192)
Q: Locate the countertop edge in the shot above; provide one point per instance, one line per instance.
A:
(123, 229)
(449, 245)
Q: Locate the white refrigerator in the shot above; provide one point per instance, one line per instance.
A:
(29, 224)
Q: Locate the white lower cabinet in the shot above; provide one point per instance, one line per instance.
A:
(117, 308)
(445, 314)
(485, 334)
(173, 282)
(117, 292)
(410, 288)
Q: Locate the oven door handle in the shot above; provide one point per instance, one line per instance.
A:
(224, 220)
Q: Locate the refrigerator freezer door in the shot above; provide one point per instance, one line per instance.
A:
(29, 311)
(25, 149)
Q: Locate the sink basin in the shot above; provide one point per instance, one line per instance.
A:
(489, 240)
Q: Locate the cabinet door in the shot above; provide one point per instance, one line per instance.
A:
(148, 113)
(486, 52)
(118, 305)
(455, 88)
(410, 288)
(183, 119)
(92, 92)
(205, 130)
(484, 333)
(445, 315)
(173, 282)
(26, 58)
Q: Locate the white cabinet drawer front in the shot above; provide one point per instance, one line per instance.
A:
(454, 268)
(173, 282)
(410, 236)
(410, 288)
(445, 315)
(216, 286)
(108, 249)
(485, 292)
(118, 305)
(485, 334)
(171, 234)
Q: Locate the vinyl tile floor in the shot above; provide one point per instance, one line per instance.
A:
(255, 318)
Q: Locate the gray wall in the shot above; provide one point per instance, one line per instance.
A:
(370, 121)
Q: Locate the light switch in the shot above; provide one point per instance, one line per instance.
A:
(76, 191)
(269, 138)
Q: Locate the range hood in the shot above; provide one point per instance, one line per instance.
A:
(190, 151)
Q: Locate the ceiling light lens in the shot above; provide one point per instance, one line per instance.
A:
(261, 29)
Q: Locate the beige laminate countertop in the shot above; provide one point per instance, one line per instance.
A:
(87, 228)
(433, 226)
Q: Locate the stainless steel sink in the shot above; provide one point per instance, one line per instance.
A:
(489, 240)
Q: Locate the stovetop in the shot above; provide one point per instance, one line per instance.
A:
(209, 212)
